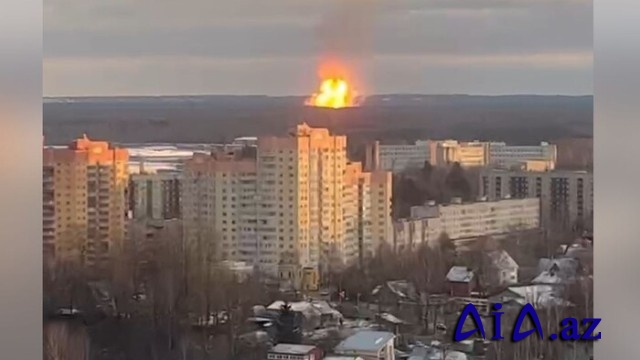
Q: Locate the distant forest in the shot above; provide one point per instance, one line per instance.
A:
(523, 119)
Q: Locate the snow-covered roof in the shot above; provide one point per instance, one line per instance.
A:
(400, 288)
(564, 264)
(548, 277)
(301, 306)
(365, 341)
(433, 352)
(390, 318)
(339, 357)
(556, 271)
(460, 274)
(292, 349)
(308, 308)
(455, 355)
(538, 295)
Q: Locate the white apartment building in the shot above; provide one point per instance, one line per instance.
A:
(566, 197)
(84, 203)
(301, 209)
(155, 195)
(218, 207)
(367, 209)
(296, 212)
(506, 156)
(465, 220)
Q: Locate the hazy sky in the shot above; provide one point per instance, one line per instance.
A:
(154, 47)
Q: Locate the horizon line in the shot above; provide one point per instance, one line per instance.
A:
(304, 96)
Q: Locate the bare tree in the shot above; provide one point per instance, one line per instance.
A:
(62, 342)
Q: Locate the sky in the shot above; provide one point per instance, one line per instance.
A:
(277, 47)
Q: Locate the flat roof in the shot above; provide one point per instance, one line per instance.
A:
(365, 341)
(292, 349)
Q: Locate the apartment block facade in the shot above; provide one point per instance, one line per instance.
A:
(462, 221)
(367, 205)
(219, 207)
(506, 156)
(84, 202)
(155, 195)
(401, 157)
(566, 197)
(397, 158)
(296, 212)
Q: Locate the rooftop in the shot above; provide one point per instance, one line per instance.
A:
(556, 271)
(292, 349)
(460, 274)
(365, 341)
(308, 308)
(400, 288)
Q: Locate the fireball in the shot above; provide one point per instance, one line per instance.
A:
(334, 93)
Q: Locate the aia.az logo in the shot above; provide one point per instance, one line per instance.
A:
(570, 327)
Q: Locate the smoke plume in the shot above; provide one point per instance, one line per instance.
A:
(346, 40)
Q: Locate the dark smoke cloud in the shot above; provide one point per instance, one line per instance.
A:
(346, 40)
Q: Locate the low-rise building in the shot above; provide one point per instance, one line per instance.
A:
(397, 157)
(314, 314)
(294, 352)
(499, 269)
(338, 357)
(461, 281)
(369, 345)
(556, 271)
(506, 156)
(539, 295)
(467, 154)
(465, 221)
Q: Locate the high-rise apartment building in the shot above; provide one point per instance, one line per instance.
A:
(296, 212)
(566, 197)
(84, 201)
(300, 193)
(367, 205)
(219, 206)
(155, 195)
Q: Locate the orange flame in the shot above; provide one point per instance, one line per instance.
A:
(334, 93)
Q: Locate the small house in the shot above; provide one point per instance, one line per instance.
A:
(294, 352)
(369, 345)
(499, 269)
(461, 281)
